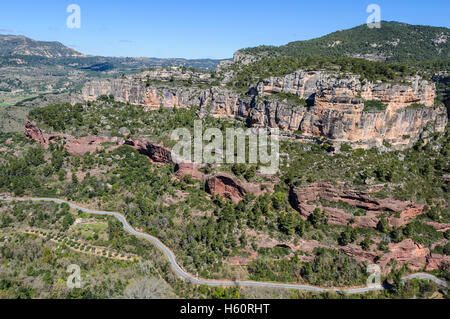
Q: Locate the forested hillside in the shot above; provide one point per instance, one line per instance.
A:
(393, 42)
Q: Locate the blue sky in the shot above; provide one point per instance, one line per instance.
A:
(198, 28)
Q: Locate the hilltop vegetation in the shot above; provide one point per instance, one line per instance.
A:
(393, 42)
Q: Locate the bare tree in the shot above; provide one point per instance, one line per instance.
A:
(147, 288)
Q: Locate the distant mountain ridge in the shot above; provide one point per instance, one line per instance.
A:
(393, 42)
(11, 45)
(31, 51)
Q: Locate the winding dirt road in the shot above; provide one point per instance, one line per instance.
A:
(218, 283)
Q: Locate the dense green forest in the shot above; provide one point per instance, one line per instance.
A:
(393, 42)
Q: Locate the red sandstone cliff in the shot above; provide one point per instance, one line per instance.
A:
(306, 199)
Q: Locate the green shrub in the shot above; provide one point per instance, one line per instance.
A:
(292, 98)
(346, 148)
(415, 106)
(374, 105)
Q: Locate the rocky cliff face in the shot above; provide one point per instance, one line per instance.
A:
(339, 109)
(74, 146)
(157, 153)
(306, 199)
(336, 105)
(349, 89)
(417, 256)
(230, 187)
(33, 132)
(136, 92)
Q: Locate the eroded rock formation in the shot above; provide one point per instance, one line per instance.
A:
(306, 199)
(230, 187)
(221, 184)
(74, 146)
(33, 132)
(417, 256)
(157, 153)
(190, 169)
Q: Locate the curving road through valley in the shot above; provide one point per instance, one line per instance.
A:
(218, 283)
